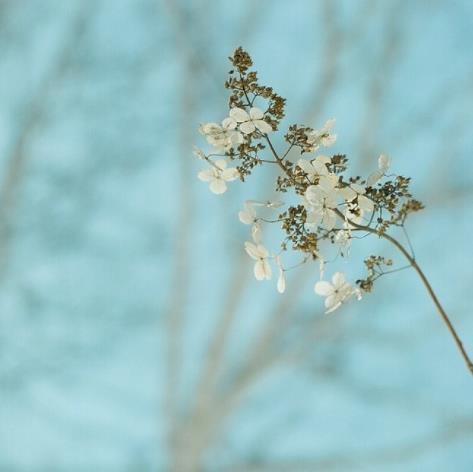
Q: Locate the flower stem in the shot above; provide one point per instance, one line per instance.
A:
(427, 285)
(407, 255)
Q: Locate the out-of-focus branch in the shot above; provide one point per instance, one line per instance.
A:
(19, 156)
(451, 432)
(381, 74)
(328, 69)
(175, 313)
(421, 119)
(336, 40)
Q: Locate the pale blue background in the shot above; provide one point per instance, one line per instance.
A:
(110, 233)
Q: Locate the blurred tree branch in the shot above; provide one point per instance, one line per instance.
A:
(20, 154)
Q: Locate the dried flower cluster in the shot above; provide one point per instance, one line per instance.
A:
(330, 206)
(324, 209)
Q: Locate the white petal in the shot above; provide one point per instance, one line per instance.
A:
(323, 159)
(236, 138)
(198, 153)
(229, 123)
(281, 286)
(262, 251)
(210, 128)
(313, 137)
(314, 194)
(321, 267)
(256, 233)
(247, 127)
(314, 218)
(331, 197)
(230, 174)
(245, 217)
(238, 114)
(206, 175)
(348, 193)
(384, 162)
(256, 113)
(323, 288)
(221, 164)
(218, 186)
(306, 166)
(252, 250)
(365, 203)
(329, 124)
(217, 141)
(332, 303)
(259, 270)
(330, 181)
(319, 167)
(338, 279)
(360, 190)
(329, 140)
(373, 178)
(250, 206)
(264, 127)
(267, 269)
(329, 220)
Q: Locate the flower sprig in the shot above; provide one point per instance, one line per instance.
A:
(326, 209)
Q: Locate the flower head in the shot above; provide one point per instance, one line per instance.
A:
(320, 201)
(248, 217)
(332, 203)
(322, 137)
(315, 168)
(260, 254)
(223, 136)
(218, 174)
(336, 292)
(356, 191)
(249, 122)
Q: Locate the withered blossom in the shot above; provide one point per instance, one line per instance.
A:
(332, 207)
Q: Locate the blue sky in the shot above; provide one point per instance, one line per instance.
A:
(110, 236)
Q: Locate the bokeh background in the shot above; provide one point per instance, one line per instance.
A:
(133, 336)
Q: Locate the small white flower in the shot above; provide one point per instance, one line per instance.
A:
(384, 163)
(224, 136)
(358, 192)
(354, 214)
(281, 286)
(322, 136)
(262, 269)
(336, 292)
(248, 217)
(320, 202)
(315, 168)
(249, 122)
(218, 174)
